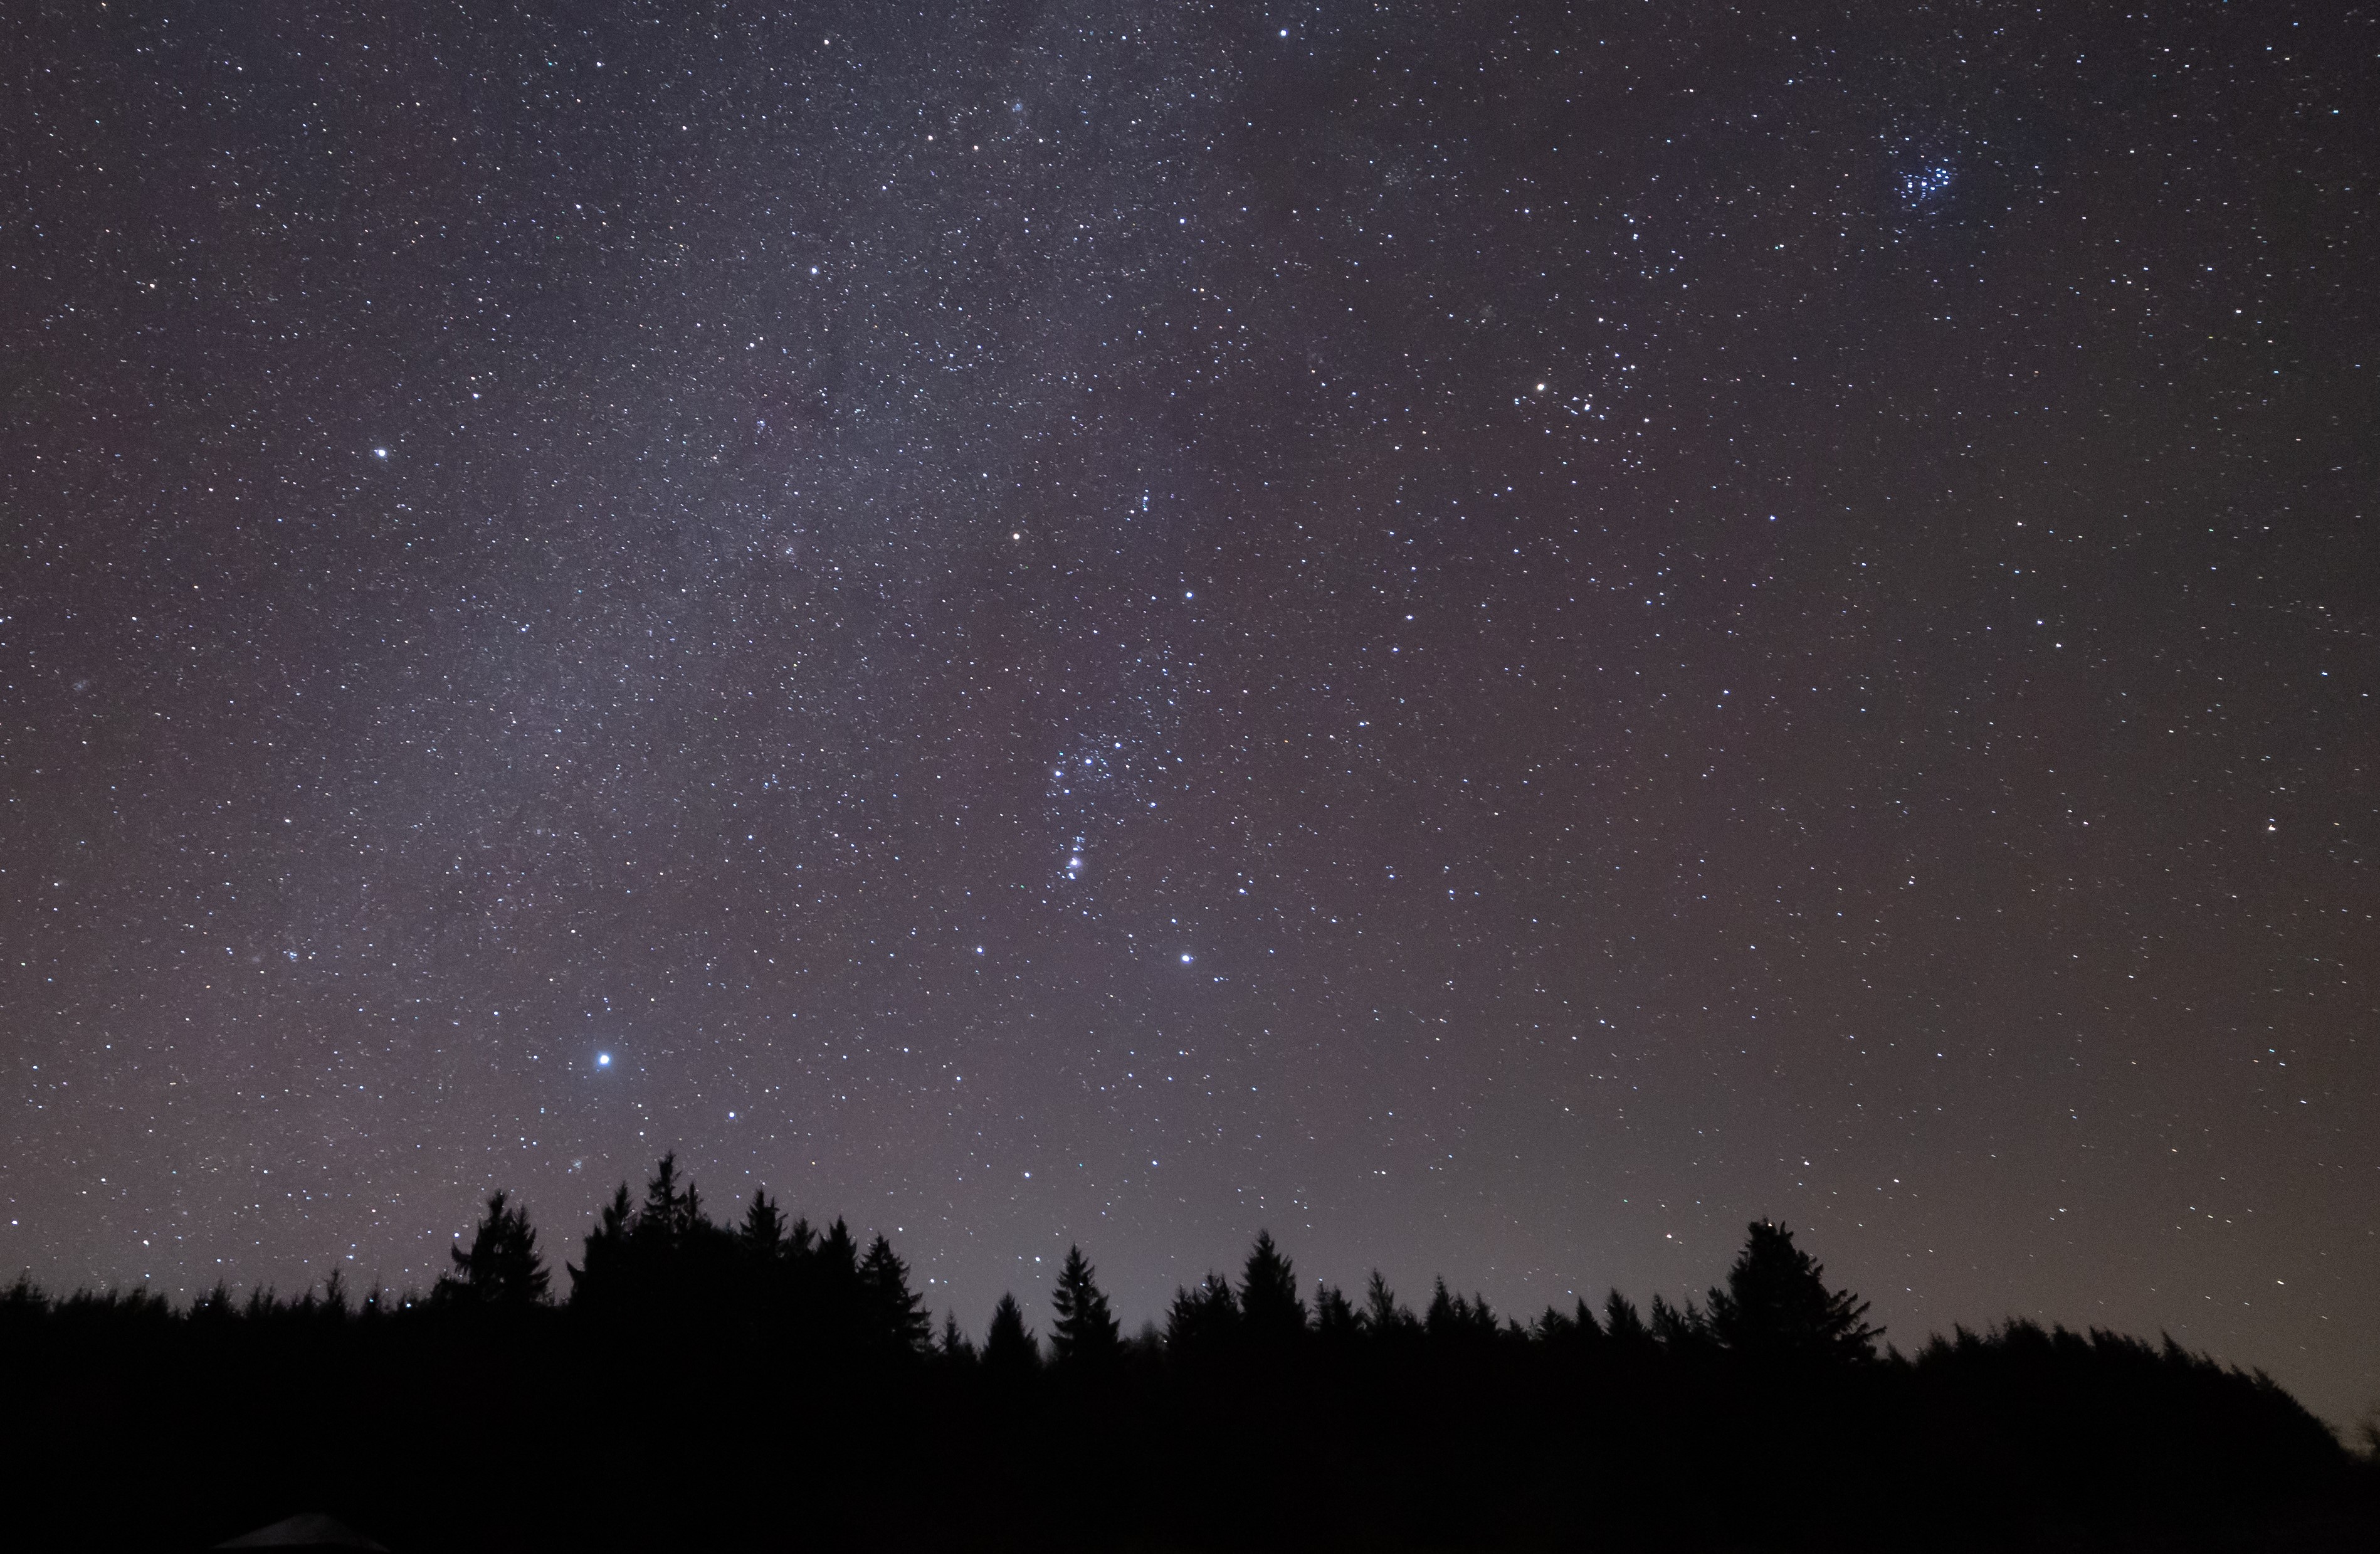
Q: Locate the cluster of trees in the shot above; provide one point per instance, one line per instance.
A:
(666, 1257)
(767, 1353)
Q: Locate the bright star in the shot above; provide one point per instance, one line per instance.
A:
(602, 1060)
(380, 453)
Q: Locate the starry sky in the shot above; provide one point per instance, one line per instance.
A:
(1497, 638)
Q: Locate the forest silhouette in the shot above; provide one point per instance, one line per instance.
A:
(769, 1383)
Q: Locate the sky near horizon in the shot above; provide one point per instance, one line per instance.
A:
(1496, 638)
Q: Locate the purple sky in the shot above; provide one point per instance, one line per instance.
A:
(1499, 641)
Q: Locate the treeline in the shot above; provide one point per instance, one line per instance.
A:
(777, 1365)
(666, 1260)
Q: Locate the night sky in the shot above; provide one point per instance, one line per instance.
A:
(1498, 639)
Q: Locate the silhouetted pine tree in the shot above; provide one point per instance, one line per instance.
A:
(502, 1268)
(1270, 1312)
(1453, 1319)
(762, 1234)
(665, 1254)
(1678, 1331)
(954, 1347)
(22, 1305)
(830, 1286)
(1383, 1318)
(1335, 1322)
(663, 1216)
(210, 1309)
(896, 1318)
(604, 1273)
(1008, 1346)
(1572, 1332)
(1084, 1334)
(1568, 1332)
(1777, 1305)
(838, 1255)
(1624, 1327)
(1204, 1321)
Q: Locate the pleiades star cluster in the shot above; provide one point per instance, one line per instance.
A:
(1494, 638)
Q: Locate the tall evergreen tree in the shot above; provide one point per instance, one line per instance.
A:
(1441, 1319)
(896, 1317)
(503, 1266)
(1556, 1327)
(1383, 1316)
(762, 1234)
(1624, 1327)
(1335, 1322)
(1776, 1304)
(1085, 1332)
(665, 1215)
(1270, 1311)
(838, 1254)
(604, 1269)
(1678, 1329)
(954, 1347)
(1453, 1317)
(1569, 1333)
(1008, 1346)
(1204, 1320)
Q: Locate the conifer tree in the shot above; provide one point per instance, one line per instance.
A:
(211, 1309)
(1383, 1317)
(1335, 1322)
(762, 1234)
(1085, 1332)
(23, 1303)
(1678, 1331)
(896, 1316)
(604, 1267)
(1454, 1317)
(1008, 1346)
(502, 1268)
(1776, 1304)
(1624, 1327)
(1568, 1332)
(663, 1222)
(1204, 1320)
(1270, 1311)
(831, 1280)
(838, 1253)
